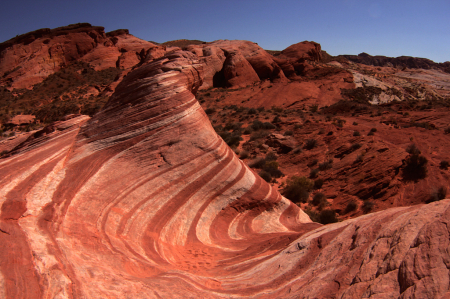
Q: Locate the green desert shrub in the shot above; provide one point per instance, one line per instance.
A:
(318, 199)
(326, 165)
(328, 216)
(444, 164)
(367, 206)
(210, 111)
(265, 176)
(318, 183)
(415, 165)
(297, 189)
(351, 206)
(310, 144)
(314, 173)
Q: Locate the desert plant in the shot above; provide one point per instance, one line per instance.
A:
(355, 146)
(312, 162)
(318, 183)
(318, 198)
(359, 158)
(265, 176)
(314, 108)
(438, 194)
(314, 173)
(232, 139)
(243, 155)
(272, 168)
(367, 206)
(310, 144)
(276, 119)
(351, 206)
(257, 163)
(252, 111)
(247, 131)
(297, 150)
(268, 126)
(356, 133)
(355, 123)
(447, 130)
(328, 216)
(271, 156)
(258, 135)
(298, 188)
(444, 164)
(326, 165)
(415, 164)
(210, 111)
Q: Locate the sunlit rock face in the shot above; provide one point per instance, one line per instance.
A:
(30, 58)
(145, 200)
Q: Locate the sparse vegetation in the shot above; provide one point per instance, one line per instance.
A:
(444, 164)
(355, 146)
(298, 188)
(326, 165)
(447, 130)
(318, 199)
(210, 111)
(328, 216)
(367, 206)
(415, 164)
(356, 133)
(310, 144)
(318, 184)
(438, 194)
(351, 206)
(314, 173)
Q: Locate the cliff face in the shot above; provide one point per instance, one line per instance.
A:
(30, 58)
(144, 200)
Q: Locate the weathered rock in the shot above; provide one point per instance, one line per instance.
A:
(145, 200)
(303, 51)
(29, 59)
(261, 62)
(284, 144)
(237, 71)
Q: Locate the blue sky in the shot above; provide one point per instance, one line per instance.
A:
(391, 28)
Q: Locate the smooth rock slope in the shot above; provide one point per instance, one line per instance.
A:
(144, 200)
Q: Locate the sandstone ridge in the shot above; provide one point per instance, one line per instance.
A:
(145, 200)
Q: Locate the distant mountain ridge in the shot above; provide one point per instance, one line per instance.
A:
(398, 62)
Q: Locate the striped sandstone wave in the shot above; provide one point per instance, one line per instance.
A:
(145, 200)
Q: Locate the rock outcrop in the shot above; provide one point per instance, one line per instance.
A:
(30, 58)
(144, 200)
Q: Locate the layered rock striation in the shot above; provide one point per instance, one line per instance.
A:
(145, 200)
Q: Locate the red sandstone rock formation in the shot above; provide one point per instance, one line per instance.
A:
(261, 62)
(28, 59)
(144, 200)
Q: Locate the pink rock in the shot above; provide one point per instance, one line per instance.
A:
(146, 200)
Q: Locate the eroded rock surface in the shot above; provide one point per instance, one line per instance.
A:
(30, 58)
(144, 200)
